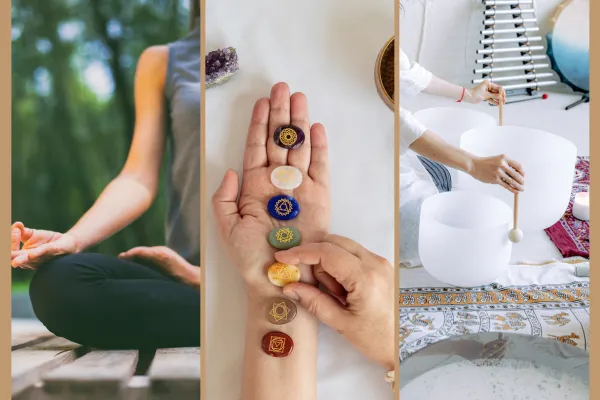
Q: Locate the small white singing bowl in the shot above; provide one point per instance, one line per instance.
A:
(549, 163)
(463, 237)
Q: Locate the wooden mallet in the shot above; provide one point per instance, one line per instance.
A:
(515, 235)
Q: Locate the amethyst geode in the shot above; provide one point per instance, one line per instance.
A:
(221, 65)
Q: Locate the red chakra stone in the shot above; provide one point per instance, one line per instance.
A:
(277, 344)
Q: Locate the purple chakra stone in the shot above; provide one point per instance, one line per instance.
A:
(289, 137)
(221, 65)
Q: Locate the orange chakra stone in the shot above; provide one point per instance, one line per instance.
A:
(281, 274)
(277, 344)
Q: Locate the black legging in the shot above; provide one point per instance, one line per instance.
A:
(106, 302)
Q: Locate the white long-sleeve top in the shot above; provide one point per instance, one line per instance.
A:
(415, 182)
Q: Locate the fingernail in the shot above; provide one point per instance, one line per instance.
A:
(291, 294)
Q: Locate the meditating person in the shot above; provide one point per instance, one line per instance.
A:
(424, 155)
(148, 297)
(356, 297)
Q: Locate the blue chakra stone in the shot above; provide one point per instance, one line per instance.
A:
(283, 207)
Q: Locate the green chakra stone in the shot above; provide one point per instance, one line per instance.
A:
(284, 238)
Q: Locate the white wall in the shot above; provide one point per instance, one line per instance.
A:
(443, 35)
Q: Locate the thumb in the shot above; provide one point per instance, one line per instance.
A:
(323, 306)
(224, 203)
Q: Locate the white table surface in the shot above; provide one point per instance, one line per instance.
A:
(326, 49)
(548, 115)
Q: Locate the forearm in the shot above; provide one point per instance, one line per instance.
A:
(270, 378)
(442, 88)
(119, 204)
(433, 147)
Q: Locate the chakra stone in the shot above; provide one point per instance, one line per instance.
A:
(283, 207)
(286, 177)
(289, 137)
(281, 311)
(281, 274)
(284, 238)
(277, 344)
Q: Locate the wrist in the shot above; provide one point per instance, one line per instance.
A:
(78, 242)
(470, 163)
(469, 97)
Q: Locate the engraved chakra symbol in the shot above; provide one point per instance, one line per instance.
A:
(285, 175)
(280, 311)
(283, 273)
(283, 207)
(277, 344)
(288, 136)
(284, 235)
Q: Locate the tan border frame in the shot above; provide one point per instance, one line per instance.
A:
(396, 197)
(5, 201)
(202, 196)
(594, 182)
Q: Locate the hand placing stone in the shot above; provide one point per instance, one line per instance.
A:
(246, 226)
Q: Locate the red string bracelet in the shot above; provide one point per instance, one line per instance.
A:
(461, 97)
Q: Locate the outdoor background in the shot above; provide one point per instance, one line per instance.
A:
(73, 66)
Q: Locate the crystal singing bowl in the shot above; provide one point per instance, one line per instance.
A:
(451, 122)
(549, 163)
(552, 355)
(463, 237)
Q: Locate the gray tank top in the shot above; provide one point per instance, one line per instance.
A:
(182, 91)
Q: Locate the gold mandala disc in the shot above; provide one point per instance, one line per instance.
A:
(288, 136)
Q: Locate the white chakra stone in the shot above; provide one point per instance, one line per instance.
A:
(286, 177)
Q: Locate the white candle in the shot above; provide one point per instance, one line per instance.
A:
(581, 206)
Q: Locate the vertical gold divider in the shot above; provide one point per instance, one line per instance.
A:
(202, 198)
(396, 195)
(5, 204)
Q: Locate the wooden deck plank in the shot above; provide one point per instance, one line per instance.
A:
(96, 375)
(30, 363)
(26, 333)
(175, 372)
(24, 339)
(137, 388)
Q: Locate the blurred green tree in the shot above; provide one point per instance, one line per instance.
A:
(73, 65)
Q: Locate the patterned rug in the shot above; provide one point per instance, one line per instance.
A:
(429, 315)
(570, 235)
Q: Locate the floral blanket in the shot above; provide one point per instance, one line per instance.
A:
(429, 315)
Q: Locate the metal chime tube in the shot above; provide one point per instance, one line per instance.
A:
(529, 85)
(516, 21)
(506, 2)
(510, 50)
(522, 39)
(526, 67)
(492, 59)
(493, 31)
(513, 11)
(514, 77)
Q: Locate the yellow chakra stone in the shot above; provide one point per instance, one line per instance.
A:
(281, 274)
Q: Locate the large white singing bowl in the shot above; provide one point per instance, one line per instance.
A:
(463, 237)
(451, 122)
(549, 164)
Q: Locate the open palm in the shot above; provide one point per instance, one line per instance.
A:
(245, 223)
(39, 246)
